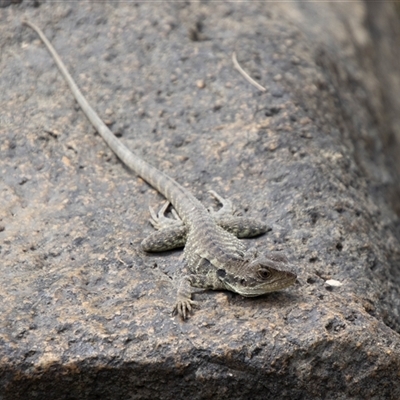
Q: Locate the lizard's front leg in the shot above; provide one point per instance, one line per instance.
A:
(188, 284)
(184, 302)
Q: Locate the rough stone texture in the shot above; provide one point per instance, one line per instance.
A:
(85, 315)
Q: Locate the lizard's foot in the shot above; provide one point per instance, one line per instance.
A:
(227, 206)
(183, 307)
(160, 221)
(184, 303)
(171, 232)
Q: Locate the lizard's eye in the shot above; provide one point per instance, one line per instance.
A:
(264, 273)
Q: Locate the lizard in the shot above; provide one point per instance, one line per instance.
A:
(214, 257)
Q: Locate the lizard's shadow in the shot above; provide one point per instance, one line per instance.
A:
(273, 300)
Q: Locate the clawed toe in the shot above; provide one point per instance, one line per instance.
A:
(227, 206)
(160, 221)
(184, 307)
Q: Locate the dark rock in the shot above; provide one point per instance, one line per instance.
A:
(85, 314)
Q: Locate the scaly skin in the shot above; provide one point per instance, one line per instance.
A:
(214, 256)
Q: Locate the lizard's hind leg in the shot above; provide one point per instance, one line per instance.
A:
(165, 239)
(171, 232)
(241, 227)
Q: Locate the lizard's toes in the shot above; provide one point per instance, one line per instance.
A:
(184, 307)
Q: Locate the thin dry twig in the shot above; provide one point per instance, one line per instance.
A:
(245, 74)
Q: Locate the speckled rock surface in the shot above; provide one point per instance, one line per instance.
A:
(85, 314)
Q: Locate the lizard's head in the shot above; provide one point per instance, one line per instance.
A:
(263, 274)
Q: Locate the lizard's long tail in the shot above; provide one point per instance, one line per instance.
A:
(171, 189)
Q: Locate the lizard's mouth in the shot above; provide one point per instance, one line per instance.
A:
(254, 287)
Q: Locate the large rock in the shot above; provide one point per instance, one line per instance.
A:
(85, 314)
